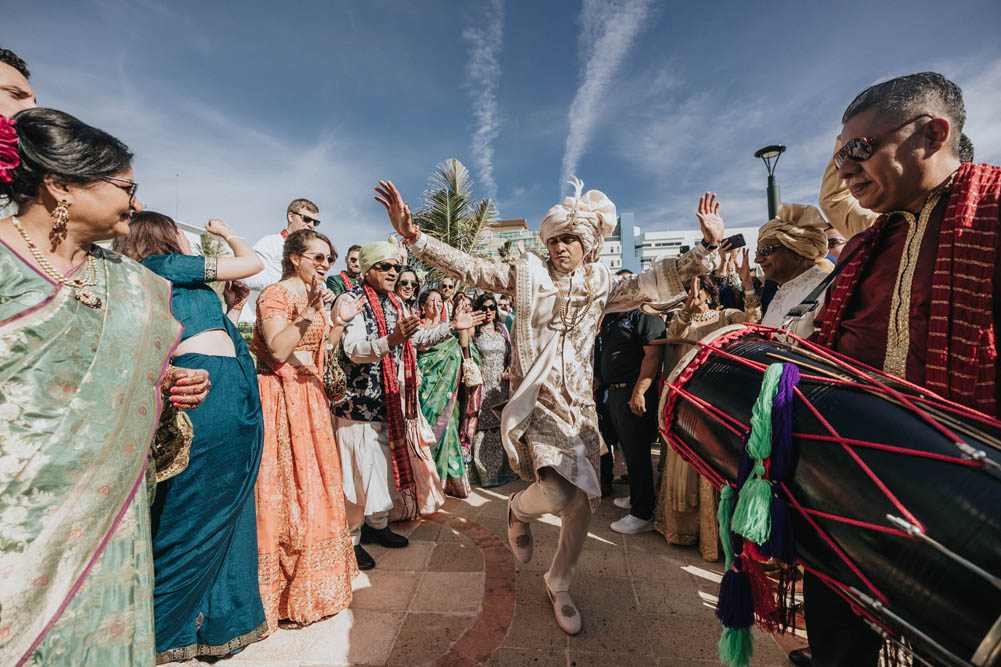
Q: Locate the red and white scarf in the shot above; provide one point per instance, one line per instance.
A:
(395, 415)
(962, 352)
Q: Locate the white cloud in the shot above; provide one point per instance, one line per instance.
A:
(197, 161)
(483, 74)
(607, 31)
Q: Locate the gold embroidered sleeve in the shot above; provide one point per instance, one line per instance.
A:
(211, 269)
(662, 281)
(489, 276)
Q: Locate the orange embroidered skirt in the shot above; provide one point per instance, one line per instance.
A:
(307, 560)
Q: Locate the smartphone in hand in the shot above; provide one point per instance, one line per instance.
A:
(735, 241)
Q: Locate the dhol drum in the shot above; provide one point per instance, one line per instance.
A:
(895, 494)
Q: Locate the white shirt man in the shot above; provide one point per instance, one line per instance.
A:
(301, 214)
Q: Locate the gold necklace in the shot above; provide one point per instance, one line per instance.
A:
(571, 320)
(705, 317)
(89, 278)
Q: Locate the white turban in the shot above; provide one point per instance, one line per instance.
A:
(800, 228)
(590, 217)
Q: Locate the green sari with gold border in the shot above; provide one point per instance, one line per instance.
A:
(79, 402)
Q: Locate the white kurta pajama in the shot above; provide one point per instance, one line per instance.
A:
(791, 294)
(550, 419)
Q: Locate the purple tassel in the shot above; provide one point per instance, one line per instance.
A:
(781, 544)
(736, 603)
(783, 457)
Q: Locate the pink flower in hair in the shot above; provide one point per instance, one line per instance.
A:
(9, 157)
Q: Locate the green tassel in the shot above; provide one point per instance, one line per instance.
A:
(759, 445)
(736, 647)
(723, 516)
(752, 517)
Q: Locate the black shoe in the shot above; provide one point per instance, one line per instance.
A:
(384, 537)
(365, 560)
(801, 657)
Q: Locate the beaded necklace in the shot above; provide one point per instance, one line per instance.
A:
(89, 278)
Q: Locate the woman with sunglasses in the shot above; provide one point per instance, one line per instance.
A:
(86, 336)
(307, 560)
(686, 502)
(204, 526)
(447, 403)
(494, 345)
(408, 288)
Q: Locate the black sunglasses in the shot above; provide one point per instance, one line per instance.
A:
(408, 283)
(310, 220)
(386, 266)
(766, 250)
(835, 242)
(861, 149)
(319, 257)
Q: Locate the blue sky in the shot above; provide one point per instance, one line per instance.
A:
(254, 103)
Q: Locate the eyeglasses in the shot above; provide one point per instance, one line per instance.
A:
(861, 149)
(319, 257)
(387, 266)
(487, 308)
(407, 283)
(310, 220)
(447, 286)
(834, 242)
(766, 250)
(131, 186)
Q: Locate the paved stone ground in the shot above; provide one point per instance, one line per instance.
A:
(456, 596)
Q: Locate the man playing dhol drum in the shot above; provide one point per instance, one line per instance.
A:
(549, 426)
(920, 300)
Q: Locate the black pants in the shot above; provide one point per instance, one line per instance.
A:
(636, 435)
(838, 637)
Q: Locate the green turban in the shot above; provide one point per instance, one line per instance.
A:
(379, 251)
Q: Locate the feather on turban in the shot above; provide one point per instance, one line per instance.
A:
(800, 228)
(378, 251)
(589, 216)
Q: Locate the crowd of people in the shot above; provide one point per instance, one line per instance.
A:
(170, 492)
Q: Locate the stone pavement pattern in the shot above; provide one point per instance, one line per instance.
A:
(456, 596)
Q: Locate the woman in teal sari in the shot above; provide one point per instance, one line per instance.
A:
(443, 397)
(85, 335)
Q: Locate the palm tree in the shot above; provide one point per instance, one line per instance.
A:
(449, 212)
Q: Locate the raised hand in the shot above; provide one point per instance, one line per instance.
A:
(709, 219)
(314, 295)
(328, 295)
(346, 308)
(693, 296)
(218, 227)
(465, 318)
(397, 209)
(235, 294)
(185, 388)
(744, 270)
(404, 330)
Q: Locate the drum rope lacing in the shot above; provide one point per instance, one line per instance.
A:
(852, 368)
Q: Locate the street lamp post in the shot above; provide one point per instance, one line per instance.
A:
(770, 155)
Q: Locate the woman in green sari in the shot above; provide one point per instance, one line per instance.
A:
(85, 335)
(443, 397)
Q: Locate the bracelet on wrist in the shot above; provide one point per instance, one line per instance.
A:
(231, 236)
(708, 246)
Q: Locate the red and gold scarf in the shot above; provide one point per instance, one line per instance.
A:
(961, 355)
(395, 416)
(347, 281)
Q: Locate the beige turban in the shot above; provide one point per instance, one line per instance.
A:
(379, 251)
(800, 228)
(590, 217)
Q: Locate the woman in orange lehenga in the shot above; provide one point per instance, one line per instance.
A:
(306, 557)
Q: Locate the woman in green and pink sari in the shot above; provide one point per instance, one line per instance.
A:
(85, 335)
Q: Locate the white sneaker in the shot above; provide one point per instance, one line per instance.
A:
(630, 525)
(622, 503)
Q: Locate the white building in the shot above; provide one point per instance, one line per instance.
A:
(658, 244)
(502, 236)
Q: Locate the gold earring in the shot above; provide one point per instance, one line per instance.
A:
(60, 217)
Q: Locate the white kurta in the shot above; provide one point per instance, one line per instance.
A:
(790, 295)
(269, 248)
(550, 419)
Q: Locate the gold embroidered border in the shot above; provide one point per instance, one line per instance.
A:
(898, 333)
(182, 653)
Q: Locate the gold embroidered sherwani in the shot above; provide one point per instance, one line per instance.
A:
(550, 419)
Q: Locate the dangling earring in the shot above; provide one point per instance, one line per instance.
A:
(60, 217)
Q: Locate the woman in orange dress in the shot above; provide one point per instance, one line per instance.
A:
(307, 560)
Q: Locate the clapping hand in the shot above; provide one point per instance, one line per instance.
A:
(465, 318)
(710, 220)
(744, 270)
(346, 308)
(314, 296)
(404, 330)
(695, 297)
(397, 209)
(185, 388)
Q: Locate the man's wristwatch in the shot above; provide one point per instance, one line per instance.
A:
(707, 246)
